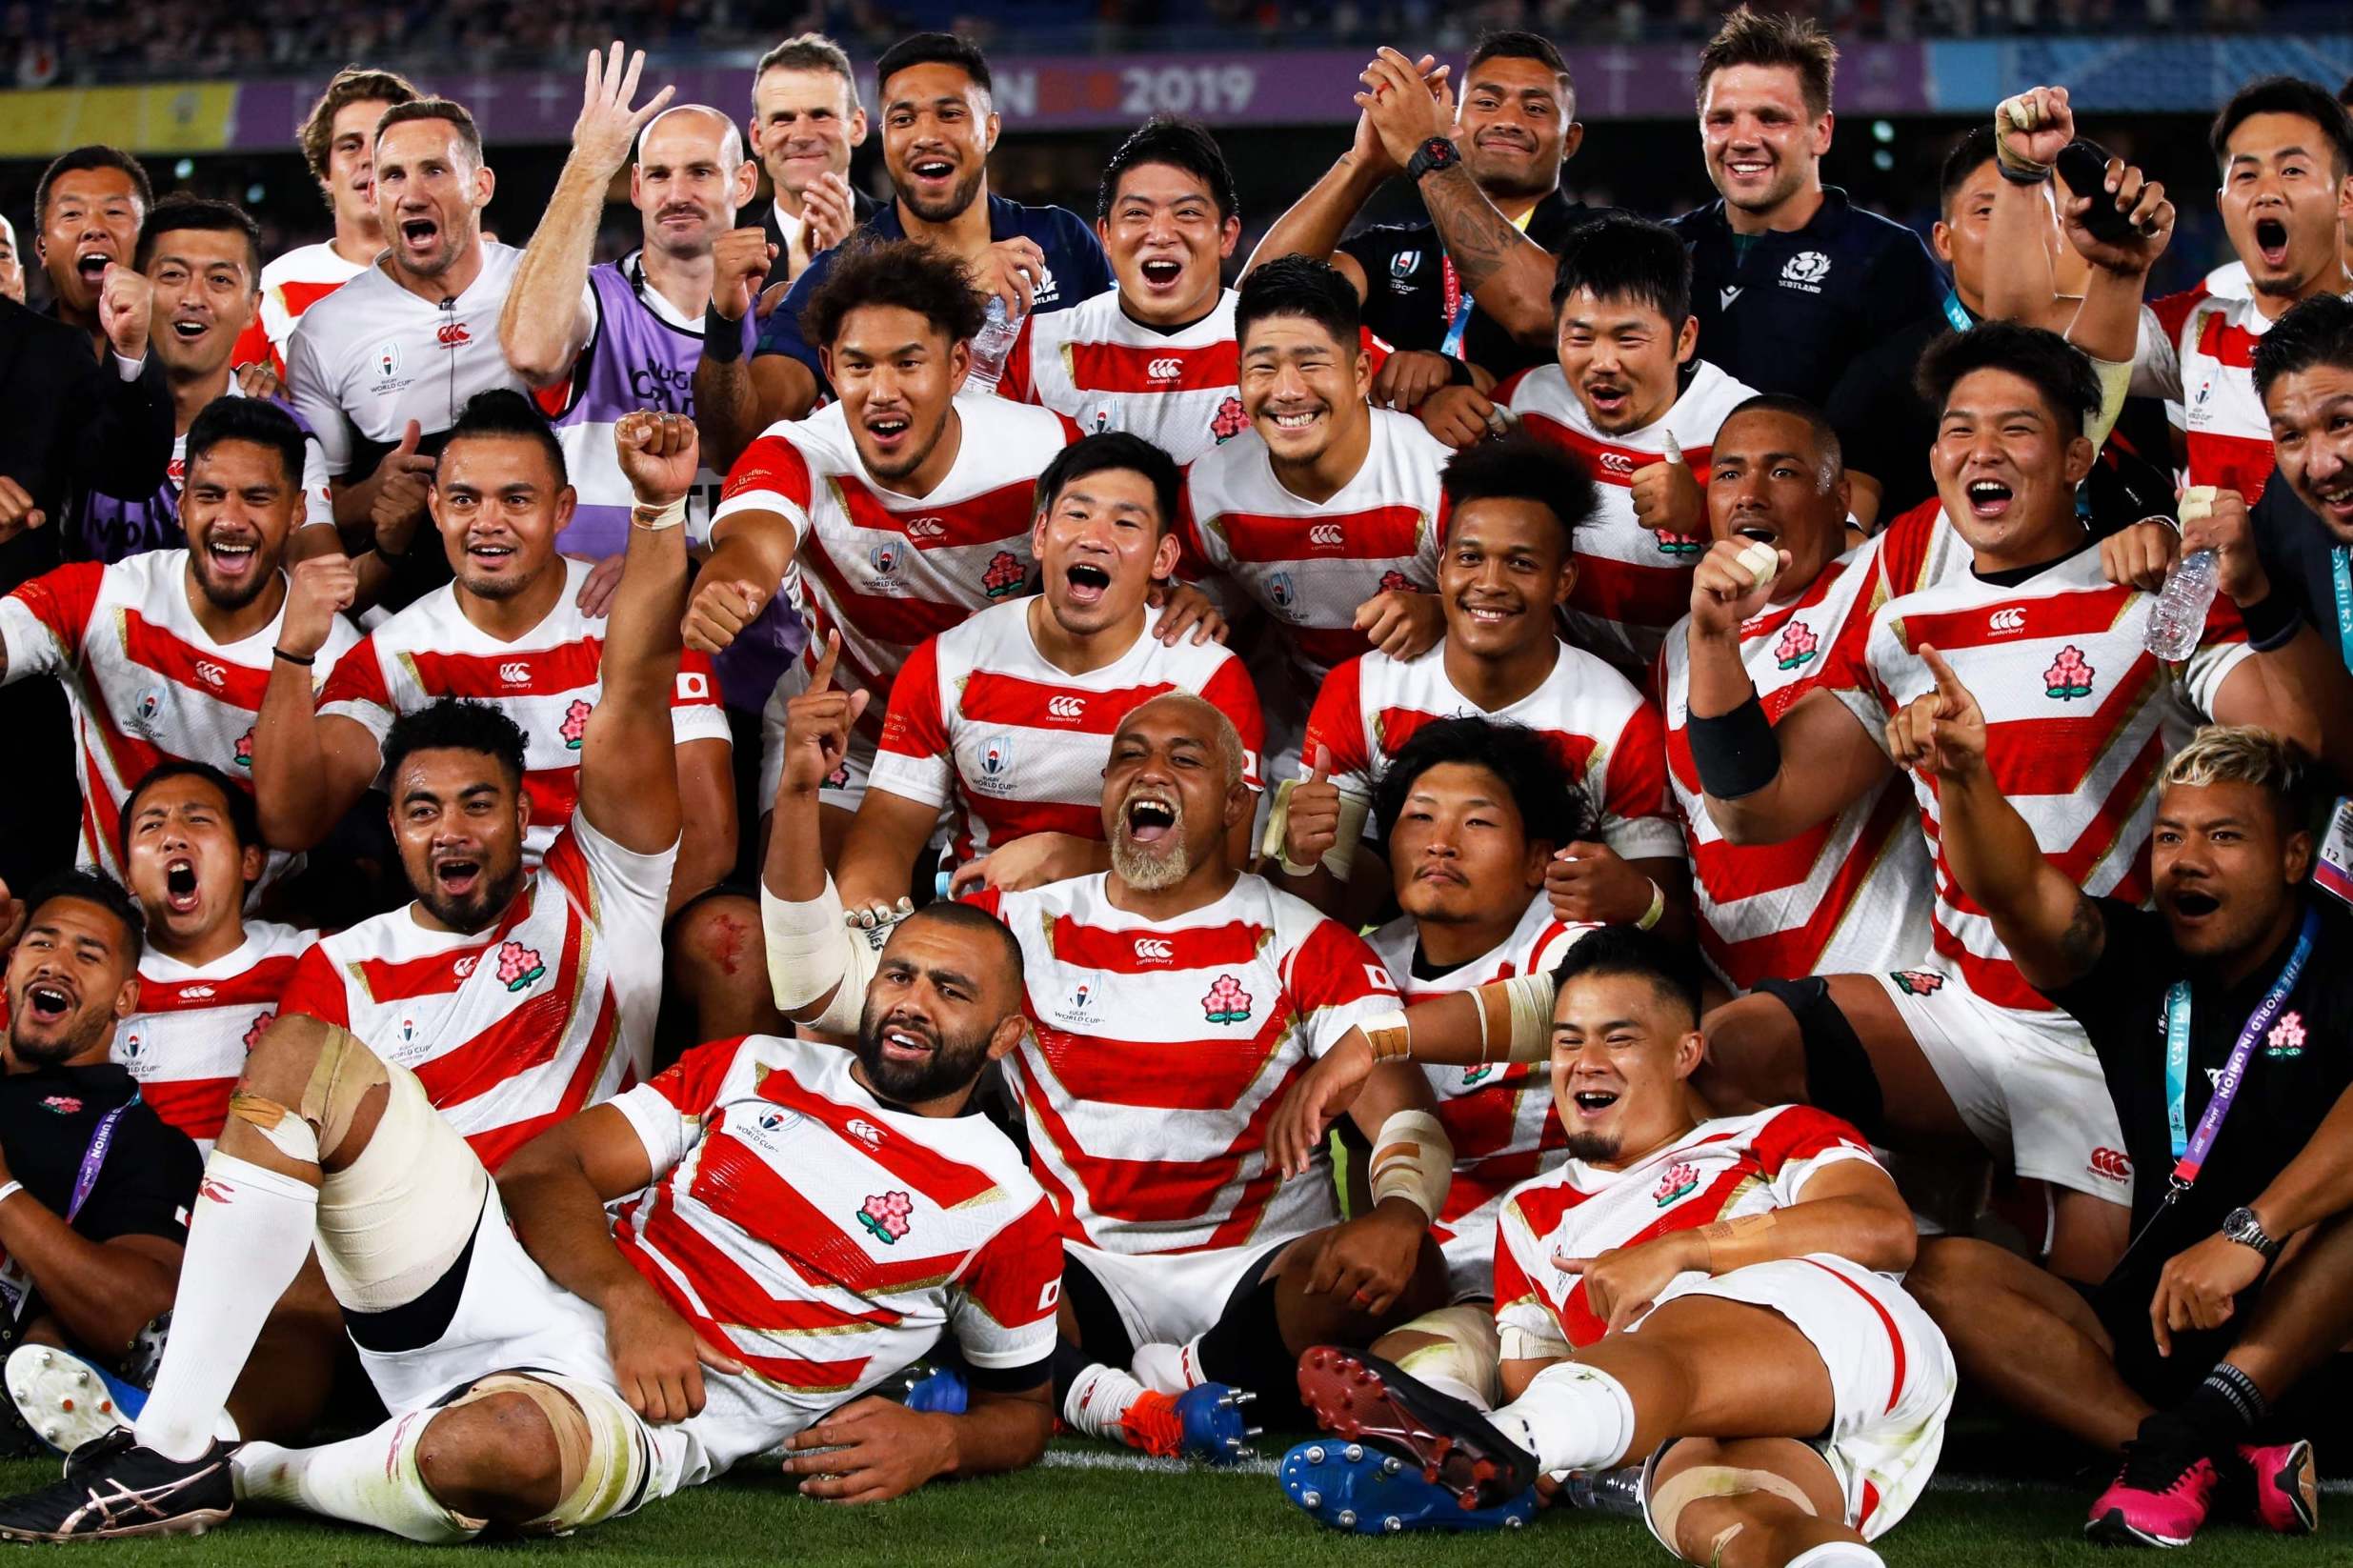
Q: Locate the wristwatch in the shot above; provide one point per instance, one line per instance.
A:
(2240, 1225)
(1436, 154)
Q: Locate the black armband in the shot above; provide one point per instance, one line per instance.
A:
(723, 340)
(1737, 753)
(1458, 371)
(2272, 621)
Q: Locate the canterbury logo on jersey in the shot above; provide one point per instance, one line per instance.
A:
(451, 334)
(927, 527)
(2007, 620)
(1326, 534)
(211, 673)
(1067, 706)
(1155, 947)
(514, 673)
(1616, 462)
(1165, 369)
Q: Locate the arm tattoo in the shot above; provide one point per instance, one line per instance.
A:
(1479, 238)
(2086, 934)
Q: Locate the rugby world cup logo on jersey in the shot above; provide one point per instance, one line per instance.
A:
(1079, 1009)
(1402, 269)
(388, 358)
(1279, 589)
(1805, 271)
(1681, 1178)
(884, 558)
(996, 764)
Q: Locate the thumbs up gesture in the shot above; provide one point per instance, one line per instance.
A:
(1667, 498)
(1940, 732)
(1313, 825)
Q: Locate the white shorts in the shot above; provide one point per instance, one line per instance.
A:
(1891, 1377)
(1167, 1299)
(2027, 1084)
(1469, 1251)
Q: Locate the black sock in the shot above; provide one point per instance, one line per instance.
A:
(2226, 1407)
(1246, 1349)
(1068, 1362)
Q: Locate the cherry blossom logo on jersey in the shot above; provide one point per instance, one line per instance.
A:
(518, 966)
(1918, 983)
(2286, 1037)
(245, 750)
(838, 779)
(575, 722)
(2069, 677)
(1681, 1178)
(1004, 576)
(1678, 545)
(1231, 421)
(253, 1031)
(1797, 648)
(1393, 581)
(1227, 1002)
(1473, 1077)
(884, 1215)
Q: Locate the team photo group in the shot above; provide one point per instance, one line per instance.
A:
(1532, 861)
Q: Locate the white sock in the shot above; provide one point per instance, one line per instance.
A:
(1837, 1554)
(1571, 1417)
(369, 1479)
(1099, 1399)
(248, 1234)
(1169, 1369)
(1447, 1383)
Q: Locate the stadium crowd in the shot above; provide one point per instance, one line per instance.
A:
(1597, 858)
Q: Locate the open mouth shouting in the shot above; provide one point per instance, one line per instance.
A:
(889, 430)
(180, 891)
(457, 875)
(91, 263)
(2334, 500)
(2192, 905)
(1151, 819)
(232, 556)
(48, 1000)
(2271, 243)
(1590, 1104)
(1610, 398)
(188, 326)
(1163, 273)
(1088, 583)
(418, 234)
(933, 175)
(1989, 498)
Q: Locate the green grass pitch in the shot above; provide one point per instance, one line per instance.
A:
(1089, 1507)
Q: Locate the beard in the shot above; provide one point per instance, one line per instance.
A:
(230, 596)
(1593, 1147)
(959, 196)
(1151, 869)
(84, 1034)
(954, 1061)
(475, 910)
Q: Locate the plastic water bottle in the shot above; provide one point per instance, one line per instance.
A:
(1605, 1491)
(2178, 618)
(990, 345)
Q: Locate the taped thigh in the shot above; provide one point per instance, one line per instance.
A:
(1664, 1501)
(1469, 1349)
(392, 1222)
(341, 1075)
(600, 1463)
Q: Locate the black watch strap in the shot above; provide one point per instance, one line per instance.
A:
(1438, 152)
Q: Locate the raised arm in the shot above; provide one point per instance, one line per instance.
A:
(308, 767)
(1507, 273)
(545, 321)
(1750, 794)
(1314, 225)
(2052, 929)
(2296, 679)
(817, 968)
(629, 764)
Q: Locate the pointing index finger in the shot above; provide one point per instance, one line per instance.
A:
(823, 679)
(1948, 684)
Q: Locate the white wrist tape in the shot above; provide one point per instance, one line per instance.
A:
(1528, 1003)
(812, 947)
(1340, 857)
(2196, 504)
(1413, 1159)
(645, 515)
(1658, 908)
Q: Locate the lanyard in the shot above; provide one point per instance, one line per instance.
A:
(1958, 314)
(2189, 1153)
(2340, 560)
(95, 1157)
(1459, 302)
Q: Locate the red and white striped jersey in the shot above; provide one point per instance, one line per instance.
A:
(1309, 565)
(1632, 584)
(145, 680)
(980, 718)
(1847, 897)
(514, 1027)
(887, 570)
(826, 1238)
(1159, 1050)
(1500, 1116)
(1093, 362)
(1606, 734)
(291, 284)
(187, 1043)
(547, 680)
(1725, 1168)
(2080, 719)
(2197, 351)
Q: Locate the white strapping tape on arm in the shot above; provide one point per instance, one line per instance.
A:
(1340, 857)
(1414, 1159)
(810, 948)
(1530, 999)
(2115, 382)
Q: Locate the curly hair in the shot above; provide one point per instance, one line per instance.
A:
(904, 272)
